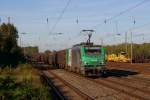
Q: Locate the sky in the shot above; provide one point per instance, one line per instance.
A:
(30, 17)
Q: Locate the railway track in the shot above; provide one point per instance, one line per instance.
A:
(46, 81)
(76, 90)
(112, 83)
(141, 79)
(126, 89)
(129, 83)
(134, 79)
(120, 87)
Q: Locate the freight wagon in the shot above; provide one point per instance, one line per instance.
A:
(52, 59)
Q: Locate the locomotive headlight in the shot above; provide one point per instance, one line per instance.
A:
(102, 62)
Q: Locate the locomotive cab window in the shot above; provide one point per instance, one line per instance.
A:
(93, 51)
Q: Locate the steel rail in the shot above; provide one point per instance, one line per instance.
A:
(50, 84)
(107, 84)
(79, 92)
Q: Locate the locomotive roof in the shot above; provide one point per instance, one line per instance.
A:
(86, 45)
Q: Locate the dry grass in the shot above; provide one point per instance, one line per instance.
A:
(26, 74)
(23, 73)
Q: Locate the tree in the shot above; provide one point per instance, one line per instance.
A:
(9, 50)
(9, 37)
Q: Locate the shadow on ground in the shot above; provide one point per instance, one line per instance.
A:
(115, 73)
(120, 73)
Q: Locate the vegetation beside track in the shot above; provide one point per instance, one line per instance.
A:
(22, 83)
(10, 53)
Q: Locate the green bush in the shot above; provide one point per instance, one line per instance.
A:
(10, 89)
(22, 83)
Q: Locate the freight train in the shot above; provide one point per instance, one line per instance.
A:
(85, 59)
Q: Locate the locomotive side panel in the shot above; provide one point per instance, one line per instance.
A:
(68, 59)
(76, 60)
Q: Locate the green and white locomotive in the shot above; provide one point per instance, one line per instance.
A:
(86, 59)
